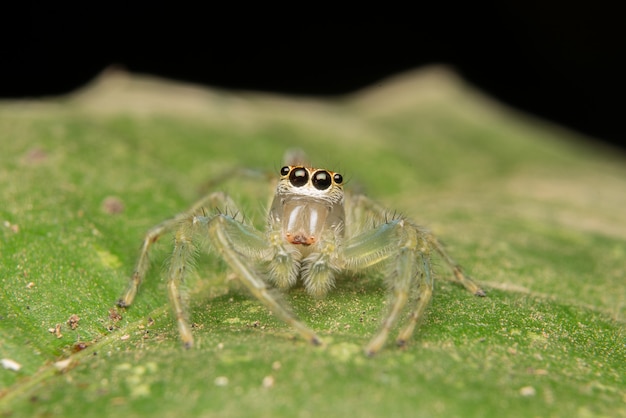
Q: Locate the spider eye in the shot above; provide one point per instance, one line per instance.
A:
(338, 178)
(321, 180)
(284, 171)
(299, 177)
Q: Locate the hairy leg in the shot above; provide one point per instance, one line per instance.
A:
(213, 200)
(405, 248)
(237, 243)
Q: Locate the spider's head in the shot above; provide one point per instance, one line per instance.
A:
(308, 203)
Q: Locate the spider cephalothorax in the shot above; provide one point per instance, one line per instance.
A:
(314, 232)
(308, 214)
(308, 202)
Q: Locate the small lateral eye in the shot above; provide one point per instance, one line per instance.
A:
(284, 171)
(321, 180)
(298, 177)
(338, 178)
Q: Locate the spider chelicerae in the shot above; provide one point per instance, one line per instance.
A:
(314, 232)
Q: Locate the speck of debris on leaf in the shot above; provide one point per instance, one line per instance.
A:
(35, 156)
(268, 382)
(114, 315)
(9, 364)
(79, 346)
(13, 227)
(56, 331)
(112, 205)
(73, 321)
(63, 364)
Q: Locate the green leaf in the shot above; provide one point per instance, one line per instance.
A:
(533, 212)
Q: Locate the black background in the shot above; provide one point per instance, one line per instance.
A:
(562, 61)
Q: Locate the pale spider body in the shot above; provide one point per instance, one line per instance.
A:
(314, 233)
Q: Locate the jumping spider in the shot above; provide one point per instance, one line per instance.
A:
(314, 233)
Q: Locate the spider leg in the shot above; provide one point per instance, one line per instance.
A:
(459, 275)
(143, 262)
(396, 244)
(364, 210)
(405, 248)
(184, 250)
(236, 243)
(423, 298)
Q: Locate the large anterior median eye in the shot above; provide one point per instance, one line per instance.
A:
(322, 180)
(299, 177)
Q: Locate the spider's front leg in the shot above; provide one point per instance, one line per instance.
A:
(238, 243)
(396, 244)
(154, 234)
(184, 227)
(405, 249)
